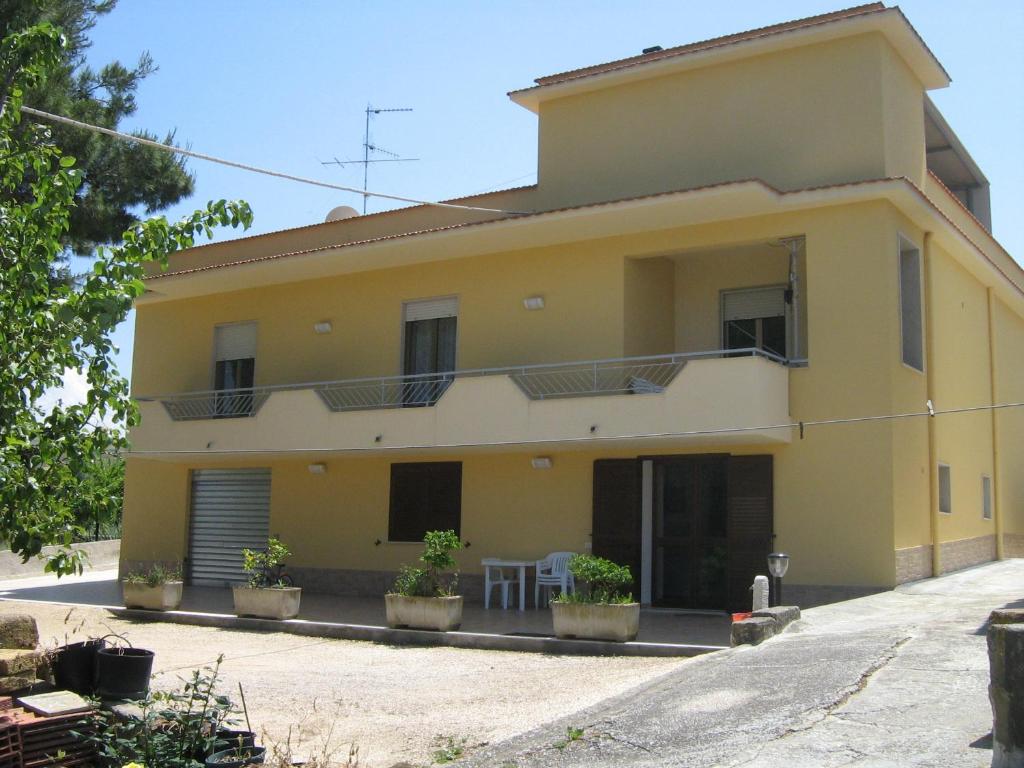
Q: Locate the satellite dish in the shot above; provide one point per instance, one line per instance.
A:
(341, 212)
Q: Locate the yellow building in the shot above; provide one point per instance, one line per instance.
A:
(680, 349)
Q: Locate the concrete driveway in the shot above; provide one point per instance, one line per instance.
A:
(894, 679)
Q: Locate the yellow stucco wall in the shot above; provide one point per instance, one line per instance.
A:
(649, 311)
(796, 118)
(582, 319)
(834, 488)
(1009, 356)
(961, 371)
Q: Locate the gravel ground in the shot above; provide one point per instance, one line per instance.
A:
(394, 703)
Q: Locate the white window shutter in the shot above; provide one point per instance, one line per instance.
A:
(236, 341)
(750, 305)
(431, 309)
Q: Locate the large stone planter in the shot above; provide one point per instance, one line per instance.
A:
(267, 602)
(162, 597)
(596, 621)
(440, 613)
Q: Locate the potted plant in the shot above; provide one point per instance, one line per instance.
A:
(74, 665)
(604, 610)
(123, 672)
(424, 598)
(270, 593)
(157, 589)
(236, 757)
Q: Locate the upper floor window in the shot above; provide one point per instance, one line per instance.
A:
(755, 318)
(429, 348)
(234, 368)
(911, 326)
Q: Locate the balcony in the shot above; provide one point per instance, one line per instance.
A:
(726, 397)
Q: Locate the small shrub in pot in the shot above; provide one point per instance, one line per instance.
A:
(424, 598)
(602, 607)
(270, 593)
(159, 588)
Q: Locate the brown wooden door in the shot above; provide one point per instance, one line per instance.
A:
(616, 522)
(689, 526)
(749, 503)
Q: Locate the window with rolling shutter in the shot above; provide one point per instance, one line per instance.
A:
(755, 318)
(234, 368)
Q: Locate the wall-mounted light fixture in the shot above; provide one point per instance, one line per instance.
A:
(318, 468)
(534, 302)
(541, 462)
(324, 326)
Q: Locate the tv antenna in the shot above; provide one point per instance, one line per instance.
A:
(369, 146)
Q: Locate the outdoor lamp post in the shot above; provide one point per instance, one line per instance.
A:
(778, 564)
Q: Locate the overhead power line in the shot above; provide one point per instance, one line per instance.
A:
(252, 168)
(801, 425)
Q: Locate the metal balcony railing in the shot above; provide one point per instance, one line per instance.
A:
(590, 378)
(216, 404)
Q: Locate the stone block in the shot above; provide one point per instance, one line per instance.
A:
(18, 630)
(753, 631)
(1006, 693)
(13, 661)
(1007, 616)
(12, 683)
(781, 614)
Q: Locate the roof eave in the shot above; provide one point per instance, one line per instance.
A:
(890, 22)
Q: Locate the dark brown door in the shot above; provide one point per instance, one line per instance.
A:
(690, 552)
(750, 525)
(616, 523)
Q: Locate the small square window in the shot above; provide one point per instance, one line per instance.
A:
(986, 497)
(945, 490)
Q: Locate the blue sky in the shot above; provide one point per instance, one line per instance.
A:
(284, 85)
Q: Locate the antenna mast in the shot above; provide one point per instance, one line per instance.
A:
(369, 146)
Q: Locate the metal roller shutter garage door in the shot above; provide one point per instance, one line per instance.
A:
(230, 512)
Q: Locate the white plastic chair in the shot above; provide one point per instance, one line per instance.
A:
(494, 576)
(553, 571)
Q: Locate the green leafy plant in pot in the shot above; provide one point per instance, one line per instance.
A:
(158, 588)
(270, 593)
(424, 598)
(602, 607)
(177, 728)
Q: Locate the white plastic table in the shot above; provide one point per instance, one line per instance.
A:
(495, 562)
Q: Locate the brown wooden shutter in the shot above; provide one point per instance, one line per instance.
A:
(425, 496)
(616, 522)
(749, 498)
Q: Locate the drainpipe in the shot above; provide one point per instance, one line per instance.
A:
(996, 516)
(929, 369)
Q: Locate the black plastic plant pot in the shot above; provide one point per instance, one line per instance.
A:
(236, 757)
(123, 673)
(74, 666)
(231, 739)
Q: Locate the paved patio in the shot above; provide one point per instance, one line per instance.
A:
(662, 632)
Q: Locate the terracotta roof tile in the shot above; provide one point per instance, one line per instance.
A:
(917, 190)
(715, 42)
